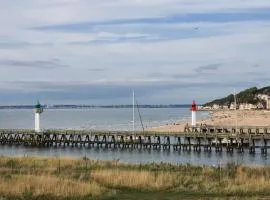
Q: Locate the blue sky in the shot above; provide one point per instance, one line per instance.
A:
(97, 52)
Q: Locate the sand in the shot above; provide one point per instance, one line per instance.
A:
(225, 118)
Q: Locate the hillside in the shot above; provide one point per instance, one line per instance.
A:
(246, 96)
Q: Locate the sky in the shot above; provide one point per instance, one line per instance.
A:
(98, 51)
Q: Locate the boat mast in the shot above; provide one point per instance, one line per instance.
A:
(137, 105)
(133, 112)
(235, 108)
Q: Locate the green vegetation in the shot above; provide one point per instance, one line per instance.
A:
(246, 96)
(52, 178)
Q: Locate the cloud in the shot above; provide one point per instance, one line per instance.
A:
(172, 76)
(155, 75)
(37, 64)
(222, 17)
(116, 39)
(96, 70)
(13, 45)
(208, 68)
(256, 65)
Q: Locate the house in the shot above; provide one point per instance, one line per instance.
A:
(200, 107)
(247, 106)
(216, 107)
(260, 106)
(242, 106)
(207, 108)
(251, 106)
(225, 107)
(264, 97)
(232, 106)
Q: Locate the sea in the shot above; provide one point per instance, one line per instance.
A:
(96, 118)
(117, 119)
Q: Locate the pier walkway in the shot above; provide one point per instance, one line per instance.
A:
(199, 138)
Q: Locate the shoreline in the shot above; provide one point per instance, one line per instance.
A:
(223, 118)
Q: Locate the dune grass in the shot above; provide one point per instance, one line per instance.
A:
(54, 178)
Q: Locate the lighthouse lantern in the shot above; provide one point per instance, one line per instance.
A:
(38, 111)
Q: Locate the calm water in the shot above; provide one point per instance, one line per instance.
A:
(140, 156)
(116, 119)
(112, 119)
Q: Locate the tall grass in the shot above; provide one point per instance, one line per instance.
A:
(39, 185)
(134, 179)
(80, 178)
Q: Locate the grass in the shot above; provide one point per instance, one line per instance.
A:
(53, 178)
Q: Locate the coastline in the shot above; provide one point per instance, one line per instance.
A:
(224, 118)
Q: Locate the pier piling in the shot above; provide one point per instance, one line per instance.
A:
(196, 138)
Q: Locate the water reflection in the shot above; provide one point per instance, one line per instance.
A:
(142, 155)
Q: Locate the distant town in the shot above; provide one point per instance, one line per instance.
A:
(250, 99)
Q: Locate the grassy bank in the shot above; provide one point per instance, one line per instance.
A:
(52, 178)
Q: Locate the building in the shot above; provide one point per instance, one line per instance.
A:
(249, 106)
(261, 105)
(216, 107)
(200, 107)
(232, 106)
(264, 97)
(206, 108)
(225, 107)
(242, 106)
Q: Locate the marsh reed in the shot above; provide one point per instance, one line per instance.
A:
(83, 178)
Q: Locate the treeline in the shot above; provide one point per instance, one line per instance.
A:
(246, 96)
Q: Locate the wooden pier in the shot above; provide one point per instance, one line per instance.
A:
(199, 138)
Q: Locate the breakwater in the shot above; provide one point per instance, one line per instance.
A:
(199, 138)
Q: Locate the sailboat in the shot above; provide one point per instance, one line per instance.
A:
(133, 112)
(235, 109)
(135, 103)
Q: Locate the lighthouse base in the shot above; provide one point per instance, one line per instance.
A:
(37, 122)
(193, 118)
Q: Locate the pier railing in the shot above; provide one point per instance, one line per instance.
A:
(254, 130)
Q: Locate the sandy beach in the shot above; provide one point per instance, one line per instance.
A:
(225, 118)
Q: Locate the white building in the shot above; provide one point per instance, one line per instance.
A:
(200, 107)
(232, 106)
(206, 108)
(260, 105)
(216, 107)
(242, 106)
(247, 106)
(225, 107)
(266, 98)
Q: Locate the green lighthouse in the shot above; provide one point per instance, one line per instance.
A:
(38, 111)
